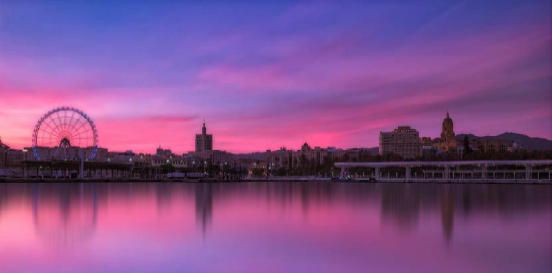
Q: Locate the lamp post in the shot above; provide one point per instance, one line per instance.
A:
(224, 168)
(24, 164)
(131, 166)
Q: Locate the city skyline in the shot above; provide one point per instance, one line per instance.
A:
(204, 142)
(341, 75)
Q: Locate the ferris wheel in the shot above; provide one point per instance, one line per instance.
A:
(63, 130)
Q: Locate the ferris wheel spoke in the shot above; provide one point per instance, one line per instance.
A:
(64, 123)
(50, 143)
(84, 142)
(53, 134)
(71, 127)
(73, 120)
(61, 120)
(84, 139)
(82, 131)
(48, 132)
(51, 123)
(52, 126)
(49, 137)
(66, 117)
(76, 123)
(44, 136)
(55, 120)
(44, 142)
(48, 124)
(70, 121)
(82, 126)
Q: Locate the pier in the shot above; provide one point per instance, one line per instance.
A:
(492, 171)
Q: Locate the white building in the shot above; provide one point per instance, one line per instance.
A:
(403, 141)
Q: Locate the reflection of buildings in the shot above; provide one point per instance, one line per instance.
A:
(66, 215)
(447, 213)
(204, 205)
(401, 204)
(405, 204)
(163, 193)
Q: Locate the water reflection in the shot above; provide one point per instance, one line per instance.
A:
(64, 215)
(365, 215)
(203, 205)
(68, 212)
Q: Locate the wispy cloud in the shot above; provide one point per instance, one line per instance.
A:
(270, 75)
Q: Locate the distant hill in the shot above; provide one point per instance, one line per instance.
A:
(373, 150)
(524, 142)
(530, 143)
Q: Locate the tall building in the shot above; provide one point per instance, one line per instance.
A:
(3, 154)
(403, 141)
(203, 141)
(448, 139)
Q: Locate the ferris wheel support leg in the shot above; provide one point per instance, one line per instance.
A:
(81, 166)
(81, 170)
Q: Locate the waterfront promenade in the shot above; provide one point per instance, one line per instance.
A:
(491, 171)
(481, 171)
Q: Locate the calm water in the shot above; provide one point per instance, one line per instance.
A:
(275, 227)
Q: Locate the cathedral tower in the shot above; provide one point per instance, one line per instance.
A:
(448, 138)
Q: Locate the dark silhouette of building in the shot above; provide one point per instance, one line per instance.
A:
(448, 139)
(204, 141)
(165, 153)
(403, 141)
(3, 154)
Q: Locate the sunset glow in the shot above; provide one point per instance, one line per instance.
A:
(265, 75)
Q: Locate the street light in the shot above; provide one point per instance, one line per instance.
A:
(24, 153)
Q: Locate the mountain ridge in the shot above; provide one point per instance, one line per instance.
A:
(524, 141)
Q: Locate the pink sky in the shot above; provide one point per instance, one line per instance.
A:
(266, 76)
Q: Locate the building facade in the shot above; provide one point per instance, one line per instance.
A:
(163, 152)
(15, 157)
(404, 141)
(203, 141)
(448, 137)
(3, 154)
(485, 145)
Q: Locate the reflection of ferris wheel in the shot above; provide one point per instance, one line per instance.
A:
(64, 128)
